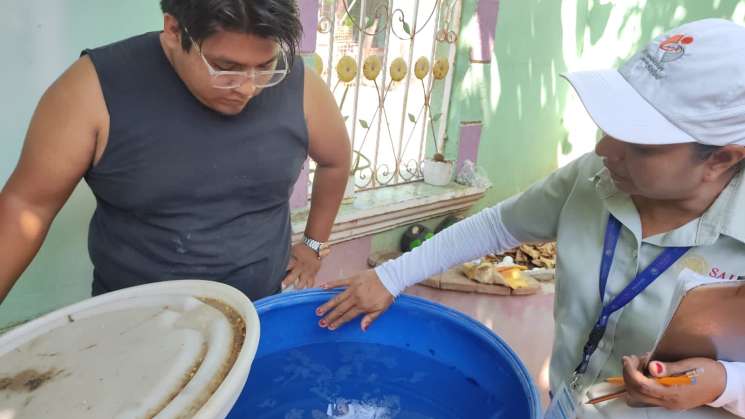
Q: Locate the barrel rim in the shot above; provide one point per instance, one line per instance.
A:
(285, 300)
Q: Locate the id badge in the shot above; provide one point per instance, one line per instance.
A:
(563, 405)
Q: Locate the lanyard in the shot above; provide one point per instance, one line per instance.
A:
(639, 284)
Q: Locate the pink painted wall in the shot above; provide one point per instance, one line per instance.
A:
(309, 19)
(346, 259)
(468, 147)
(486, 13)
(299, 197)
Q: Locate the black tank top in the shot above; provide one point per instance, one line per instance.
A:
(184, 192)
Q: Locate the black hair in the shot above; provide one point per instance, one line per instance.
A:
(704, 151)
(273, 19)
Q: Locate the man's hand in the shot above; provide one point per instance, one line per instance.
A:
(302, 268)
(365, 295)
(645, 391)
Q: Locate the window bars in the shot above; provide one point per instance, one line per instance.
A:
(389, 65)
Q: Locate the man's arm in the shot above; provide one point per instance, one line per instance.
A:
(60, 146)
(330, 148)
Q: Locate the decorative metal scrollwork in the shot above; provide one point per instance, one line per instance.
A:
(397, 166)
(324, 24)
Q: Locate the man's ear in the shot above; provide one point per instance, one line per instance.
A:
(171, 31)
(724, 160)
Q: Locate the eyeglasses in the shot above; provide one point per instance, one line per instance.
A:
(259, 78)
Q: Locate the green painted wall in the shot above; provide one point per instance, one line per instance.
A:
(532, 122)
(41, 39)
(532, 119)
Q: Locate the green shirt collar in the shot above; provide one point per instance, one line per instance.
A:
(725, 216)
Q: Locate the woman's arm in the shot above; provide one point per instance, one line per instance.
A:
(733, 397)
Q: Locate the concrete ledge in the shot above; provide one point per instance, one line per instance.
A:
(378, 210)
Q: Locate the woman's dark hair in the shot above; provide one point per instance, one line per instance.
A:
(274, 19)
(703, 151)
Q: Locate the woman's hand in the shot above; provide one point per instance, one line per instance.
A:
(642, 390)
(365, 294)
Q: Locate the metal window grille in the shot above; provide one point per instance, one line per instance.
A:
(393, 122)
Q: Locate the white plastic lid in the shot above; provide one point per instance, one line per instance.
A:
(165, 350)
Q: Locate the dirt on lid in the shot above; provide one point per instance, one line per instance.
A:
(238, 325)
(28, 380)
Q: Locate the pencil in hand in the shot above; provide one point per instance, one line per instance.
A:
(685, 378)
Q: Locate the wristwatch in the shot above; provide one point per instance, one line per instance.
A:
(321, 249)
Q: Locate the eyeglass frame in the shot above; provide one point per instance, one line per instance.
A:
(244, 74)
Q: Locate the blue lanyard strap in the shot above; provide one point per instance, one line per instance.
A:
(666, 259)
(612, 234)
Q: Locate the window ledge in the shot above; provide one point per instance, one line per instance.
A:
(378, 210)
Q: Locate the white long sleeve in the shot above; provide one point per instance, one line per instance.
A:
(466, 240)
(733, 398)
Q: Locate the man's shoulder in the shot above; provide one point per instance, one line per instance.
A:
(143, 39)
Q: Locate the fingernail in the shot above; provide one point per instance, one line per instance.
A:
(332, 327)
(322, 323)
(324, 286)
(319, 312)
(657, 367)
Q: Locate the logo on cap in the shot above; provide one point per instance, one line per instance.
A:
(672, 48)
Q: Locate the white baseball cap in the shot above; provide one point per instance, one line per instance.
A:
(686, 86)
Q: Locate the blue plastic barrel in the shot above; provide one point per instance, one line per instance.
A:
(418, 360)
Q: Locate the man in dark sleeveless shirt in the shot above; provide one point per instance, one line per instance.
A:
(191, 140)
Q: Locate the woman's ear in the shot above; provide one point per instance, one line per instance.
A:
(724, 160)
